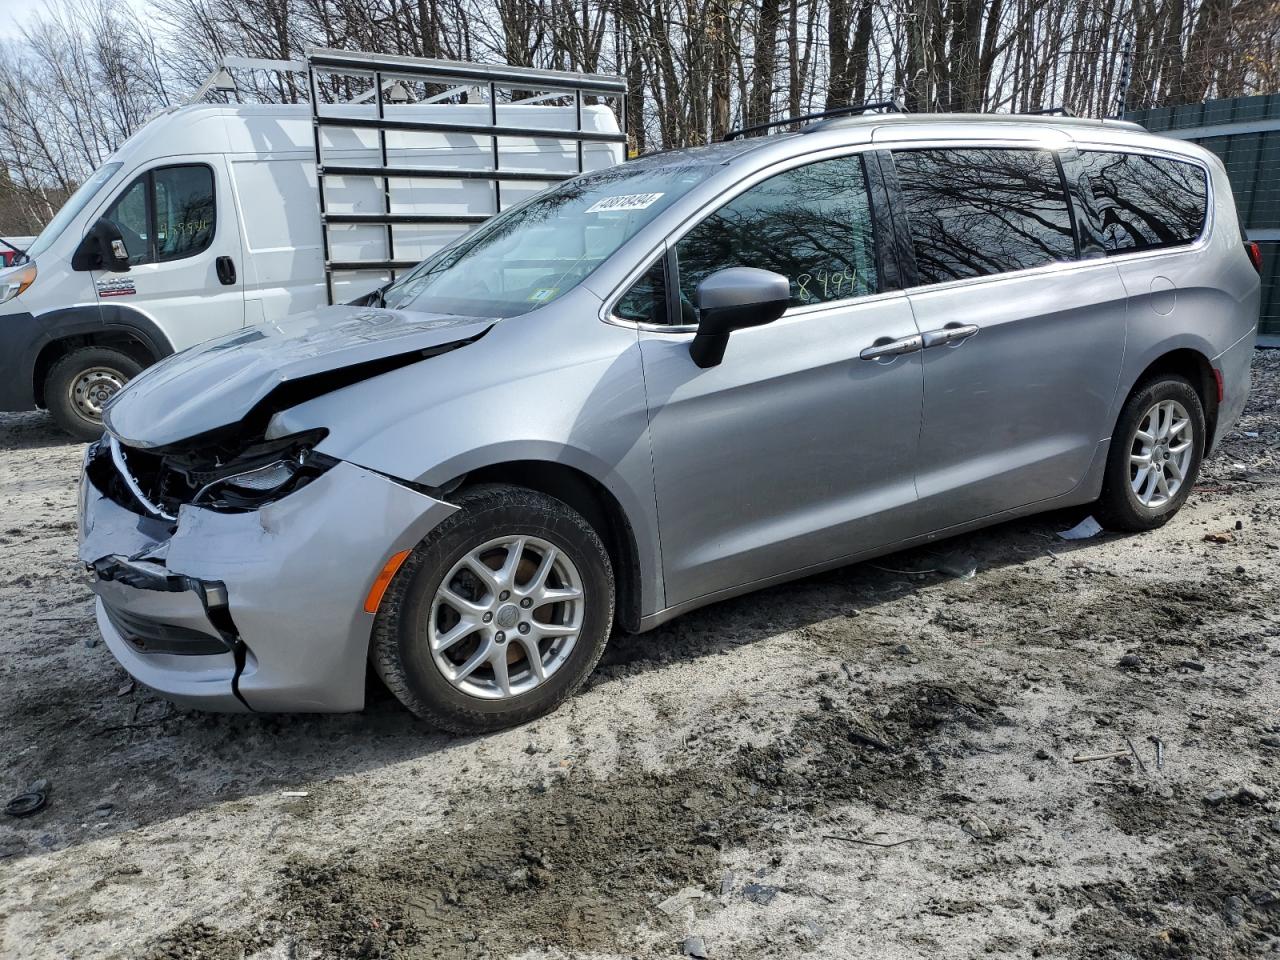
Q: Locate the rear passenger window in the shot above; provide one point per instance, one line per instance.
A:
(1145, 203)
(980, 211)
(811, 224)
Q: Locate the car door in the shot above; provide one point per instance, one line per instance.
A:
(793, 451)
(1023, 342)
(180, 232)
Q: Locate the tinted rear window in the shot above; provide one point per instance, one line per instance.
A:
(1145, 203)
(980, 211)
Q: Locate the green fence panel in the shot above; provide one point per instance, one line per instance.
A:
(1252, 160)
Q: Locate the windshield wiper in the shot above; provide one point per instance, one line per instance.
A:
(22, 254)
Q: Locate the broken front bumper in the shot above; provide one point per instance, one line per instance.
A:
(261, 610)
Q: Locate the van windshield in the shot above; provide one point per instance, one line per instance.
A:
(72, 208)
(533, 253)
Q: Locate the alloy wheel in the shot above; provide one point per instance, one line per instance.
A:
(1160, 453)
(506, 617)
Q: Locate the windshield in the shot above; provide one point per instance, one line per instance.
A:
(533, 253)
(71, 208)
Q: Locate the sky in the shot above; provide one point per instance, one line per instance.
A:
(15, 13)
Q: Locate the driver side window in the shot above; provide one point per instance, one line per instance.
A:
(811, 224)
(166, 214)
(129, 213)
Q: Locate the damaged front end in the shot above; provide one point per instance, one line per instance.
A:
(233, 566)
(219, 472)
(233, 577)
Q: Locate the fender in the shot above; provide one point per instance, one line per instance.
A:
(637, 503)
(110, 318)
(1137, 361)
(26, 336)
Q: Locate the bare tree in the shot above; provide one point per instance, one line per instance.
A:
(85, 76)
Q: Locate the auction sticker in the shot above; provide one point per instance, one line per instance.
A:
(629, 201)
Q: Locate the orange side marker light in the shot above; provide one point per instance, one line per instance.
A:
(383, 581)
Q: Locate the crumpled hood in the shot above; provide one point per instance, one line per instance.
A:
(219, 382)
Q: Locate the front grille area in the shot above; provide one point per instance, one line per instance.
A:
(157, 482)
(107, 478)
(153, 636)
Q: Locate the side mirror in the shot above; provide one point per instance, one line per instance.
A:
(731, 299)
(102, 249)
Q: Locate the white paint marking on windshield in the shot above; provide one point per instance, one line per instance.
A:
(629, 201)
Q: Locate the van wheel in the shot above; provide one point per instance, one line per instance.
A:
(498, 615)
(79, 385)
(1154, 457)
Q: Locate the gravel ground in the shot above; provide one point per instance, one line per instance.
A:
(871, 763)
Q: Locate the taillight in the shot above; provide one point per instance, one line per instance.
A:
(1255, 255)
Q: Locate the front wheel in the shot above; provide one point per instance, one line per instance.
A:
(1154, 457)
(498, 615)
(79, 385)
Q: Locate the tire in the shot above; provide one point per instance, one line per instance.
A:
(411, 612)
(1121, 507)
(78, 384)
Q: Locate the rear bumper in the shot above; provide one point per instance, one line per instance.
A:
(252, 611)
(1233, 364)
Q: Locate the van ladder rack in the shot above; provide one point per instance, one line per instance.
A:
(526, 85)
(875, 106)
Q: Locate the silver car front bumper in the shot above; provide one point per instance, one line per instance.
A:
(252, 611)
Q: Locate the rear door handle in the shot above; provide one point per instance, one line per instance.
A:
(950, 334)
(226, 268)
(887, 349)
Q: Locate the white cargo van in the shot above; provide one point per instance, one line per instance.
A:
(210, 218)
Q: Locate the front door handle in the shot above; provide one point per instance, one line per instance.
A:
(226, 268)
(952, 333)
(887, 349)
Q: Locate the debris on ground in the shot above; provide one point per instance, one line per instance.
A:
(26, 803)
(717, 753)
(977, 828)
(694, 947)
(1089, 757)
(1086, 528)
(677, 902)
(760, 893)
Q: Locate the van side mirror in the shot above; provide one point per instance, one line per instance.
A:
(732, 299)
(102, 249)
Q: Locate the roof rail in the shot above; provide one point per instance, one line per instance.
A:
(883, 106)
(1050, 112)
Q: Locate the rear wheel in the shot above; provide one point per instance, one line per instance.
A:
(498, 615)
(1155, 456)
(79, 385)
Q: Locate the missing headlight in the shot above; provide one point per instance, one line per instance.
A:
(262, 483)
(216, 477)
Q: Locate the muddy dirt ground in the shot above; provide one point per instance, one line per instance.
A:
(872, 763)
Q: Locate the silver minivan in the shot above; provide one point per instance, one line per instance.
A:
(662, 384)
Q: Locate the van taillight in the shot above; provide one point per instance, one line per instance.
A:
(1255, 254)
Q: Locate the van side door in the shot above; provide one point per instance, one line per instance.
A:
(183, 240)
(794, 451)
(1023, 340)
